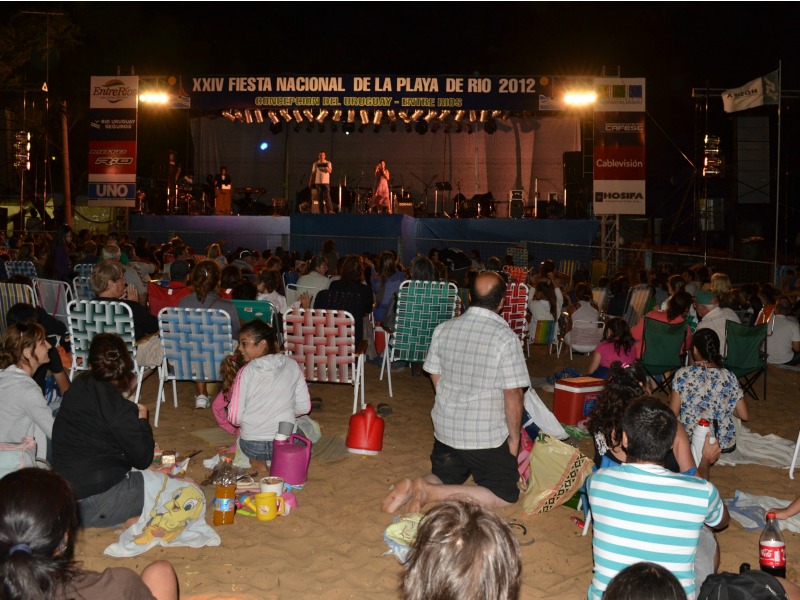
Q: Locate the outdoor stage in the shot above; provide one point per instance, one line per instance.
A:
(357, 233)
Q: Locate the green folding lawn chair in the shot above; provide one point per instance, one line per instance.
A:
(746, 354)
(662, 353)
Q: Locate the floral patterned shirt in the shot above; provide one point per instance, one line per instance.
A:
(708, 394)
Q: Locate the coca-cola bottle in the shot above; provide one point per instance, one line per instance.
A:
(772, 548)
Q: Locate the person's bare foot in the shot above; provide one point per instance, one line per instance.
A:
(400, 494)
(131, 521)
(419, 496)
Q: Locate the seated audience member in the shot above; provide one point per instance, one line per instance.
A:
(205, 285)
(626, 532)
(645, 581)
(111, 252)
(385, 282)
(101, 440)
(463, 552)
(317, 276)
(707, 390)
(230, 276)
(617, 344)
(23, 349)
(176, 288)
(784, 341)
(268, 285)
(541, 304)
(38, 531)
(244, 290)
(584, 309)
(54, 330)
(713, 316)
(677, 311)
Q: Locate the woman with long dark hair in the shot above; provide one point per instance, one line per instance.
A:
(707, 390)
(38, 530)
(618, 344)
(101, 440)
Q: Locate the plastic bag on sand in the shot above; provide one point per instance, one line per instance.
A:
(541, 415)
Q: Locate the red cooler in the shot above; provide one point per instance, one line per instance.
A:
(574, 398)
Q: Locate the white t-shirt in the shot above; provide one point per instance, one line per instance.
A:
(320, 176)
(779, 345)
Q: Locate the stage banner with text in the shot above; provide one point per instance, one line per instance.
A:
(113, 104)
(619, 147)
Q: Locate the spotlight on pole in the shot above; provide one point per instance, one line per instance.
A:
(259, 116)
(286, 116)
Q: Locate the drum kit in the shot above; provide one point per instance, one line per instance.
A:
(192, 201)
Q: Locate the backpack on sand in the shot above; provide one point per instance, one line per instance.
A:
(750, 585)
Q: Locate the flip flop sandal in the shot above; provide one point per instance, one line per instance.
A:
(383, 409)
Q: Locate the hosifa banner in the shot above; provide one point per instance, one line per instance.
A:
(619, 147)
(112, 141)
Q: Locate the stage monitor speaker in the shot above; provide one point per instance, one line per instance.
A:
(517, 209)
(405, 208)
(541, 209)
(314, 201)
(573, 168)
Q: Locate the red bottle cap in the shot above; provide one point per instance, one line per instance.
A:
(770, 515)
(704, 423)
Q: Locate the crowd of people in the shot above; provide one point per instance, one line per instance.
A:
(479, 375)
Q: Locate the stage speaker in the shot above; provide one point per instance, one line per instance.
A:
(405, 208)
(577, 205)
(314, 201)
(517, 209)
(279, 206)
(541, 208)
(573, 168)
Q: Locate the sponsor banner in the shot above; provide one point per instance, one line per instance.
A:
(113, 124)
(619, 150)
(114, 92)
(112, 192)
(619, 94)
(619, 197)
(761, 91)
(399, 93)
(112, 157)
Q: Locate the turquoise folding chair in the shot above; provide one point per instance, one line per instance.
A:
(421, 307)
(21, 267)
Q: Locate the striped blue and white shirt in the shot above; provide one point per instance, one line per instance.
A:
(643, 512)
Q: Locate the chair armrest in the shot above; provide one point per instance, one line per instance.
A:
(362, 348)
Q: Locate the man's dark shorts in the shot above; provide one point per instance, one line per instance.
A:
(493, 468)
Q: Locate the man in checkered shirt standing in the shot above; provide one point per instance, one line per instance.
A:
(479, 373)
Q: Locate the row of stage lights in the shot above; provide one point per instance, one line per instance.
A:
(417, 120)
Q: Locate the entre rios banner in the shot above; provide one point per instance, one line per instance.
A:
(442, 92)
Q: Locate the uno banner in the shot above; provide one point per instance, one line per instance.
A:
(112, 141)
(619, 149)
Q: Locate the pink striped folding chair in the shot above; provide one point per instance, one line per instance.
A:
(323, 342)
(514, 308)
(515, 273)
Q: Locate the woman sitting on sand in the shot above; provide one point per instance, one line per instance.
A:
(268, 389)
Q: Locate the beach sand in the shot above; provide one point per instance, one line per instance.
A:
(332, 545)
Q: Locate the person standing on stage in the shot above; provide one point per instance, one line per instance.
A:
(321, 179)
(223, 189)
(381, 198)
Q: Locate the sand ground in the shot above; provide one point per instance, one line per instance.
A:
(332, 545)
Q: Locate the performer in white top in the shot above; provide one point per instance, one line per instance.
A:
(321, 179)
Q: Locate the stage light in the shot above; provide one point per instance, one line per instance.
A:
(248, 116)
(263, 146)
(496, 114)
(580, 98)
(484, 116)
(473, 116)
(391, 115)
(421, 127)
(228, 115)
(321, 116)
(286, 116)
(364, 117)
(22, 150)
(430, 116)
(337, 115)
(274, 117)
(404, 116)
(459, 116)
(417, 115)
(259, 116)
(298, 116)
(276, 127)
(711, 144)
(351, 116)
(309, 115)
(151, 97)
(239, 115)
(376, 120)
(443, 115)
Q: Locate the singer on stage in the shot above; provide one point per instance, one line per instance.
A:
(381, 198)
(321, 179)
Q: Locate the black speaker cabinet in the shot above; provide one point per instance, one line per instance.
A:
(405, 208)
(517, 209)
(573, 168)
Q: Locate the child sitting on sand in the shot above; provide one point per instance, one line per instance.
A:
(261, 388)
